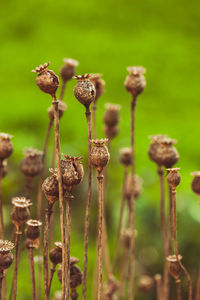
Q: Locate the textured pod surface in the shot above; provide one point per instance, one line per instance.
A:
(99, 84)
(196, 183)
(50, 188)
(6, 146)
(6, 260)
(72, 170)
(84, 92)
(31, 166)
(174, 266)
(111, 115)
(135, 82)
(99, 154)
(67, 71)
(173, 177)
(75, 276)
(55, 254)
(33, 229)
(126, 156)
(111, 132)
(19, 215)
(47, 81)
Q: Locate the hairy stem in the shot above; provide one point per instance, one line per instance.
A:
(89, 197)
(17, 239)
(32, 267)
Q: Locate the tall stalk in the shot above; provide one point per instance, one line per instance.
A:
(1, 280)
(158, 280)
(89, 197)
(94, 126)
(178, 289)
(32, 267)
(53, 269)
(17, 239)
(1, 205)
(123, 272)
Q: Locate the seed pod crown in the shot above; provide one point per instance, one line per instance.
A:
(68, 69)
(31, 165)
(6, 257)
(173, 177)
(196, 182)
(50, 187)
(135, 82)
(72, 170)
(6, 146)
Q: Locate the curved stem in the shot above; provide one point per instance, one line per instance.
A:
(17, 239)
(53, 269)
(61, 205)
(89, 197)
(48, 213)
(31, 258)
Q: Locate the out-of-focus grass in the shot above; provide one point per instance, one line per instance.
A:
(106, 37)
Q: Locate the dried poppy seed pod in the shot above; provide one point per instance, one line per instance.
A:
(126, 156)
(99, 154)
(33, 229)
(67, 71)
(75, 276)
(31, 165)
(6, 146)
(111, 115)
(72, 171)
(55, 254)
(61, 108)
(173, 177)
(145, 283)
(174, 266)
(20, 212)
(110, 288)
(84, 90)
(6, 257)
(111, 132)
(99, 84)
(73, 261)
(137, 186)
(135, 82)
(196, 182)
(46, 79)
(50, 187)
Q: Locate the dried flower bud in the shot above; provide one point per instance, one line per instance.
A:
(6, 146)
(6, 257)
(84, 90)
(111, 115)
(145, 283)
(55, 254)
(31, 165)
(33, 229)
(20, 212)
(99, 154)
(50, 187)
(162, 151)
(111, 132)
(126, 156)
(173, 177)
(196, 182)
(110, 288)
(135, 82)
(61, 108)
(46, 79)
(68, 69)
(72, 171)
(174, 266)
(75, 276)
(99, 84)
(137, 186)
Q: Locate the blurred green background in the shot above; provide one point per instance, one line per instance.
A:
(106, 37)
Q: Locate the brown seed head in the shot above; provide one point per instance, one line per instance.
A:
(135, 82)
(111, 115)
(111, 132)
(110, 288)
(61, 108)
(33, 229)
(137, 186)
(99, 154)
(145, 283)
(31, 165)
(196, 182)
(75, 276)
(127, 234)
(20, 212)
(50, 187)
(6, 257)
(46, 79)
(6, 146)
(84, 90)
(174, 266)
(99, 84)
(68, 69)
(72, 171)
(173, 177)
(4, 168)
(55, 254)
(125, 156)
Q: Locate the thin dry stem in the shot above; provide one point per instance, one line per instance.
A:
(197, 294)
(48, 213)
(89, 197)
(94, 127)
(123, 273)
(28, 186)
(67, 234)
(32, 267)
(178, 289)
(1, 280)
(17, 239)
(62, 90)
(1, 206)
(158, 280)
(120, 221)
(53, 269)
(105, 247)
(61, 206)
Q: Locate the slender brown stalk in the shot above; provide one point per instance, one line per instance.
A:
(28, 186)
(61, 205)
(94, 127)
(105, 247)
(17, 239)
(120, 221)
(197, 294)
(132, 204)
(53, 269)
(178, 289)
(1, 280)
(123, 273)
(89, 197)
(158, 280)
(176, 245)
(170, 223)
(1, 206)
(32, 267)
(100, 236)
(48, 213)
(62, 90)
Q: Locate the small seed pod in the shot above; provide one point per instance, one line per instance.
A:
(162, 151)
(173, 177)
(6, 257)
(72, 171)
(135, 82)
(61, 108)
(50, 187)
(68, 69)
(31, 165)
(75, 276)
(145, 283)
(84, 90)
(20, 212)
(55, 254)
(46, 79)
(111, 115)
(99, 84)
(6, 146)
(99, 154)
(58, 295)
(127, 234)
(33, 229)
(196, 182)
(125, 156)
(137, 187)
(174, 266)
(111, 132)
(110, 288)
(73, 261)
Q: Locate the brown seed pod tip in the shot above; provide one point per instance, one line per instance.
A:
(112, 107)
(81, 77)
(136, 70)
(72, 158)
(21, 202)
(34, 223)
(99, 142)
(126, 156)
(195, 174)
(157, 138)
(6, 246)
(174, 265)
(73, 260)
(5, 136)
(31, 152)
(145, 283)
(71, 62)
(173, 177)
(41, 68)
